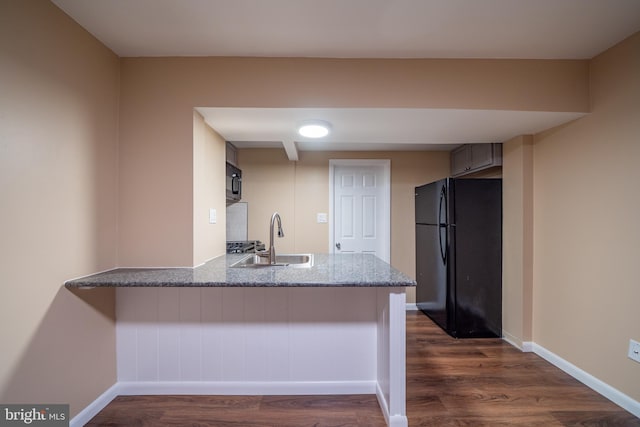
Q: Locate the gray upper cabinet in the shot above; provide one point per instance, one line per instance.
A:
(471, 158)
(232, 154)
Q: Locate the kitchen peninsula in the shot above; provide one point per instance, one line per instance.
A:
(337, 327)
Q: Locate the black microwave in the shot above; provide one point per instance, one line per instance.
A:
(234, 183)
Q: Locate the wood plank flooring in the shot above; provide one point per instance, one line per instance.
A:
(470, 382)
(487, 382)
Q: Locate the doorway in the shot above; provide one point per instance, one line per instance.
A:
(360, 206)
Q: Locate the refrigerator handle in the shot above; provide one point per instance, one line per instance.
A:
(443, 249)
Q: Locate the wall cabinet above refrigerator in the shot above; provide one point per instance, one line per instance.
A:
(471, 158)
(232, 154)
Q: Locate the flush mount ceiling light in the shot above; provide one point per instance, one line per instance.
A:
(314, 128)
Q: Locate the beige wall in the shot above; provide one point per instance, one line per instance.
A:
(158, 96)
(155, 216)
(208, 191)
(517, 224)
(586, 229)
(58, 182)
(300, 190)
(268, 186)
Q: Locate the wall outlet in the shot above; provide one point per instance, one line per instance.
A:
(634, 350)
(321, 218)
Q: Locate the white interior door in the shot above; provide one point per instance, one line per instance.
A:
(361, 207)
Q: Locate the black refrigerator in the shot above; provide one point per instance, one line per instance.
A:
(459, 255)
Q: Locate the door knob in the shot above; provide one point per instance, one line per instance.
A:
(338, 246)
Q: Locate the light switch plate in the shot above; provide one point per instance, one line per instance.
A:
(634, 350)
(321, 218)
(213, 216)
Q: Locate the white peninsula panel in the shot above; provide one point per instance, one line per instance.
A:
(318, 340)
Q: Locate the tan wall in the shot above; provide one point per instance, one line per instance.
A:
(159, 94)
(155, 217)
(268, 186)
(517, 224)
(586, 228)
(208, 191)
(58, 182)
(300, 190)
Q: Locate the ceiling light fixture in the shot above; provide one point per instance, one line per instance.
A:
(314, 129)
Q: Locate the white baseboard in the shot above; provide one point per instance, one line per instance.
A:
(614, 395)
(392, 420)
(506, 336)
(411, 306)
(129, 388)
(527, 346)
(94, 407)
(246, 387)
(524, 346)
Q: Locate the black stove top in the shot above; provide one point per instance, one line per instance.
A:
(244, 246)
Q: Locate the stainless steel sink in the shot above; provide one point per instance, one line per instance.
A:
(285, 260)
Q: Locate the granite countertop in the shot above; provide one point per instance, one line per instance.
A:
(346, 270)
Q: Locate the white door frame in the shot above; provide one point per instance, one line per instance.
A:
(386, 164)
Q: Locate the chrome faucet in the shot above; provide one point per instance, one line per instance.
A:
(270, 254)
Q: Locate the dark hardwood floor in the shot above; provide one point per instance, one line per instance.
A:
(470, 382)
(487, 382)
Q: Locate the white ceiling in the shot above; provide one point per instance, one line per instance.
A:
(361, 129)
(535, 29)
(358, 28)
